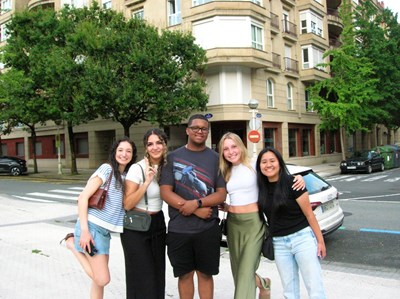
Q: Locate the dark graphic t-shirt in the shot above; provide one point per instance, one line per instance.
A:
(193, 175)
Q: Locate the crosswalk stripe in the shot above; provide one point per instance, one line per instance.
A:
(65, 191)
(53, 196)
(374, 178)
(33, 199)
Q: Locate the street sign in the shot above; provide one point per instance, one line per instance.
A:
(254, 136)
(258, 115)
(208, 115)
(257, 126)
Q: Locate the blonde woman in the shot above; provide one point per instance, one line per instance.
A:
(245, 226)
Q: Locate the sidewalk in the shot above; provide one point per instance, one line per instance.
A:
(34, 265)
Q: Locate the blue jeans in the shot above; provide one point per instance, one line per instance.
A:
(294, 252)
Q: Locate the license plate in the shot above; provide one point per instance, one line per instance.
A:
(351, 167)
(327, 206)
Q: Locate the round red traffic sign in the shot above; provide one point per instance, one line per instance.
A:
(254, 136)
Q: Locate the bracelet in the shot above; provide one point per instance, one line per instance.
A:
(199, 203)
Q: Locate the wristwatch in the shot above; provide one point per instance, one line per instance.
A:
(199, 203)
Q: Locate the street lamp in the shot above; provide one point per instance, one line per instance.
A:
(253, 104)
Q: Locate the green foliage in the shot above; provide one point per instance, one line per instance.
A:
(348, 99)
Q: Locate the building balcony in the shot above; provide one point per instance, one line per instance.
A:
(43, 4)
(290, 3)
(249, 57)
(335, 24)
(274, 23)
(289, 30)
(333, 3)
(313, 75)
(291, 65)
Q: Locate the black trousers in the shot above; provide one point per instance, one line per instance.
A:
(145, 260)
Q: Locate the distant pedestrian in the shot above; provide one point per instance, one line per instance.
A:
(90, 243)
(193, 188)
(145, 251)
(297, 238)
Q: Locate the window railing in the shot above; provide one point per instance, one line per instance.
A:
(274, 20)
(276, 60)
(291, 65)
(289, 28)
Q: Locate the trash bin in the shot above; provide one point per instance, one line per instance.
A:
(396, 156)
(388, 154)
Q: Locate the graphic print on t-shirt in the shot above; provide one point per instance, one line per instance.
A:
(191, 179)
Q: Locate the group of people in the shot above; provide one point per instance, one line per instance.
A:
(194, 181)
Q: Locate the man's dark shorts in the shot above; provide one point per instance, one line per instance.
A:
(200, 251)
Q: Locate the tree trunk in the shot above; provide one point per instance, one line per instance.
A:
(74, 169)
(341, 130)
(33, 136)
(126, 131)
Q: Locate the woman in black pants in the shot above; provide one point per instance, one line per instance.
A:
(145, 251)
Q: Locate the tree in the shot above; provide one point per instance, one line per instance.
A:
(380, 36)
(134, 73)
(347, 99)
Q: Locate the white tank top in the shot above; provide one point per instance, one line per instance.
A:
(242, 186)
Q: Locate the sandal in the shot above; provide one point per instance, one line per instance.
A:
(69, 235)
(265, 288)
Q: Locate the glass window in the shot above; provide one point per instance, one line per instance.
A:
(292, 142)
(269, 137)
(306, 142)
(38, 148)
(322, 142)
(107, 4)
(199, 2)
(174, 12)
(5, 6)
(289, 94)
(82, 146)
(306, 60)
(256, 37)
(4, 149)
(20, 149)
(308, 102)
(138, 14)
(270, 93)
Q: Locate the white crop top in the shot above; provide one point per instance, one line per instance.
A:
(153, 190)
(242, 186)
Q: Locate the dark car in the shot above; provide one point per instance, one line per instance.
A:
(366, 161)
(12, 165)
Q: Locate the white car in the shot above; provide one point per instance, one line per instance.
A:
(324, 199)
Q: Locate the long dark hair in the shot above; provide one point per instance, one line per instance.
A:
(283, 184)
(113, 161)
(163, 137)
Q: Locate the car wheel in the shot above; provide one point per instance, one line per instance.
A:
(15, 170)
(369, 169)
(382, 167)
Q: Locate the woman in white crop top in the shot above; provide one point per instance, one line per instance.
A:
(244, 225)
(145, 251)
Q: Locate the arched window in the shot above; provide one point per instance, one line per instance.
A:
(270, 93)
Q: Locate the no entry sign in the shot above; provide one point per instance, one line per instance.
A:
(254, 136)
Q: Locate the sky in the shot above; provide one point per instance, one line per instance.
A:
(393, 5)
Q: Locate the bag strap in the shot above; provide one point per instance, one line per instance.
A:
(145, 194)
(108, 180)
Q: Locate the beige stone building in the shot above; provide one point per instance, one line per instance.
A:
(263, 50)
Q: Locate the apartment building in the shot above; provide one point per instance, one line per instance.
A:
(259, 51)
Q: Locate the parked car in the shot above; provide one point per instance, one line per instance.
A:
(12, 165)
(366, 161)
(324, 199)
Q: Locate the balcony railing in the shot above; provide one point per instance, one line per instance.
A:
(291, 65)
(274, 20)
(289, 28)
(276, 60)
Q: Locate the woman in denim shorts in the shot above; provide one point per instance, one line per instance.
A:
(297, 238)
(90, 243)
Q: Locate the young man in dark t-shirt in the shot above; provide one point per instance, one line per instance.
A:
(192, 187)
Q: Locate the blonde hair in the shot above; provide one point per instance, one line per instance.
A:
(225, 167)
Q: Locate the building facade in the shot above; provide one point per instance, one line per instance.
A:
(263, 50)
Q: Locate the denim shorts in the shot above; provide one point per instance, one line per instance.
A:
(100, 235)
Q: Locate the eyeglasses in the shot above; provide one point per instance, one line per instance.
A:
(197, 129)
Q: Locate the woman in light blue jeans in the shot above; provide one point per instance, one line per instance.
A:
(297, 238)
(299, 251)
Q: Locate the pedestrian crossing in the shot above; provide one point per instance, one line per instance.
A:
(363, 178)
(55, 195)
